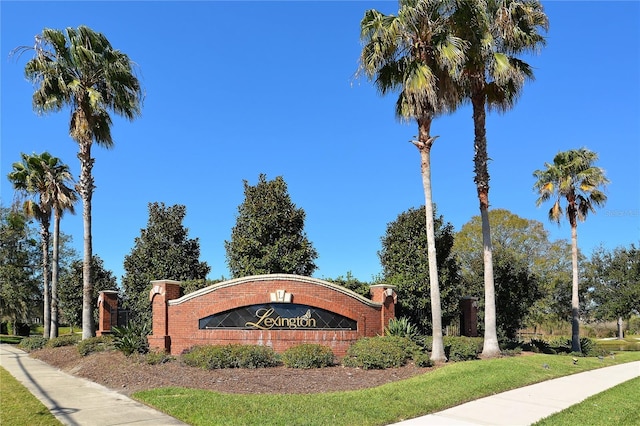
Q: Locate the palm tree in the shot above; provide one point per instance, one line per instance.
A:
(61, 198)
(43, 178)
(80, 69)
(28, 180)
(415, 53)
(496, 31)
(572, 177)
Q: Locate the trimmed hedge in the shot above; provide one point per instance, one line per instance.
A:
(380, 352)
(95, 344)
(308, 355)
(462, 348)
(211, 357)
(65, 340)
(32, 343)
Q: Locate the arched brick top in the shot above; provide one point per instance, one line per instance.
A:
(274, 277)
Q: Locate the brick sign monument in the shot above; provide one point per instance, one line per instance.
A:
(278, 310)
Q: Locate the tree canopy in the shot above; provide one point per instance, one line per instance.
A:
(403, 257)
(70, 288)
(519, 246)
(20, 294)
(162, 251)
(269, 236)
(613, 278)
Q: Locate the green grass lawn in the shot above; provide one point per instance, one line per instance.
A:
(19, 406)
(619, 405)
(446, 386)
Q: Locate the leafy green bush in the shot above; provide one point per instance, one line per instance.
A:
(462, 348)
(254, 356)
(157, 357)
(422, 359)
(211, 357)
(634, 325)
(540, 346)
(94, 344)
(588, 346)
(511, 352)
(131, 339)
(308, 355)
(402, 327)
(66, 340)
(380, 352)
(32, 343)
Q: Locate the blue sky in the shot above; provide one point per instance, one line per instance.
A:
(235, 89)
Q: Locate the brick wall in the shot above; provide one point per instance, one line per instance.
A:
(176, 319)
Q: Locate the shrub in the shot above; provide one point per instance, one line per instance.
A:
(462, 348)
(131, 339)
(422, 359)
(33, 343)
(634, 325)
(94, 344)
(66, 340)
(308, 356)
(540, 346)
(560, 345)
(588, 346)
(211, 357)
(512, 352)
(254, 356)
(157, 357)
(402, 327)
(380, 352)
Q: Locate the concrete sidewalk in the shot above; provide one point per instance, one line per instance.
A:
(530, 404)
(76, 401)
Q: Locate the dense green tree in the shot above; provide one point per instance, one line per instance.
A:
(496, 32)
(269, 236)
(79, 69)
(162, 251)
(70, 294)
(20, 294)
(415, 54)
(520, 247)
(352, 283)
(613, 278)
(403, 255)
(572, 177)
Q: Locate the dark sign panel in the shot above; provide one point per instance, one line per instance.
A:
(278, 316)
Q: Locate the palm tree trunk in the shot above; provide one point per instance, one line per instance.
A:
(46, 316)
(85, 188)
(575, 301)
(490, 347)
(53, 332)
(424, 144)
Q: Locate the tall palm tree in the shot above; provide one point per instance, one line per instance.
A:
(61, 198)
(29, 181)
(574, 178)
(496, 31)
(44, 178)
(80, 69)
(414, 53)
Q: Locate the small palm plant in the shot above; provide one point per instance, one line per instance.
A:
(131, 339)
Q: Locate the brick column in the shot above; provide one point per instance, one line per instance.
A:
(161, 292)
(107, 302)
(386, 295)
(469, 316)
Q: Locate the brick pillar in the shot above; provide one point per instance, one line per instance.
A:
(469, 316)
(107, 302)
(385, 295)
(161, 292)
